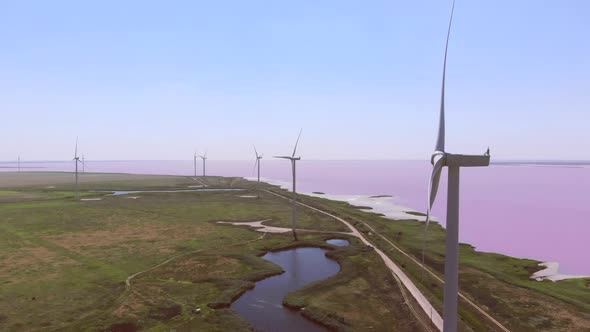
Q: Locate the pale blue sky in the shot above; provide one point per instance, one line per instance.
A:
(157, 79)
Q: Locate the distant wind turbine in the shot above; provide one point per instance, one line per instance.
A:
(440, 158)
(19, 163)
(76, 161)
(257, 163)
(204, 157)
(83, 164)
(293, 160)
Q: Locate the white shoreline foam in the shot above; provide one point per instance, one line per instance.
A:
(551, 272)
(386, 206)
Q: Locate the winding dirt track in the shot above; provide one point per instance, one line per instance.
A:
(435, 318)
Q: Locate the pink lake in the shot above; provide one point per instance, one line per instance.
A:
(539, 212)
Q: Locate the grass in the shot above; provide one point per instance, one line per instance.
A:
(64, 262)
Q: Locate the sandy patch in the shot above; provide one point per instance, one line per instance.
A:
(259, 227)
(91, 199)
(248, 196)
(551, 272)
(133, 197)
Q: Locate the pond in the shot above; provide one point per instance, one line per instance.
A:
(263, 305)
(338, 242)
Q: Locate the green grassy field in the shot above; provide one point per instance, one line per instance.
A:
(64, 262)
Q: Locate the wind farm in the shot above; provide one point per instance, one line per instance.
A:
(366, 228)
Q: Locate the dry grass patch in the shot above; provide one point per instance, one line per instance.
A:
(122, 236)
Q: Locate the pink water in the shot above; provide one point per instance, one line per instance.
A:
(524, 211)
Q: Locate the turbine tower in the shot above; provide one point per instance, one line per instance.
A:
(83, 164)
(204, 157)
(257, 163)
(440, 158)
(19, 163)
(293, 160)
(76, 161)
(195, 162)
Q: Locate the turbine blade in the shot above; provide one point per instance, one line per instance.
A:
(255, 163)
(256, 152)
(283, 157)
(440, 141)
(297, 142)
(432, 190)
(76, 149)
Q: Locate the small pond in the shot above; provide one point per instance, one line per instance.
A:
(262, 306)
(338, 242)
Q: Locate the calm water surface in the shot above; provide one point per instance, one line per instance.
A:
(262, 306)
(537, 211)
(338, 242)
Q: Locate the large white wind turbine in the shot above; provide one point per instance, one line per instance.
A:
(204, 157)
(440, 158)
(195, 162)
(293, 160)
(257, 163)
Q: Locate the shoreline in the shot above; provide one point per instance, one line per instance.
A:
(385, 206)
(551, 272)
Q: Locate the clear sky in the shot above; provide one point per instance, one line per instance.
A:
(157, 79)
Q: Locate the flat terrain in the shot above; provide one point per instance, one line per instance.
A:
(144, 261)
(65, 263)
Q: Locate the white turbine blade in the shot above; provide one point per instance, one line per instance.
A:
(283, 157)
(296, 143)
(440, 141)
(256, 152)
(76, 149)
(432, 190)
(255, 164)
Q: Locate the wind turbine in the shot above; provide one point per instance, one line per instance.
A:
(19, 163)
(204, 157)
(293, 160)
(195, 162)
(76, 161)
(257, 163)
(440, 158)
(83, 164)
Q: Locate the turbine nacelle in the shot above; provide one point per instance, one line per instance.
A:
(460, 160)
(287, 157)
